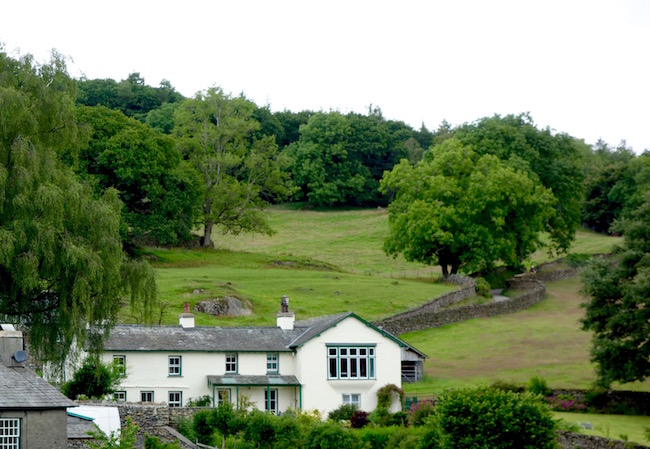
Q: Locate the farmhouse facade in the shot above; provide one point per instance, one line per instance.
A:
(319, 363)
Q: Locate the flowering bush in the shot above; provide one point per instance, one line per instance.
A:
(419, 412)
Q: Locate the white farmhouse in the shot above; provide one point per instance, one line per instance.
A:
(314, 364)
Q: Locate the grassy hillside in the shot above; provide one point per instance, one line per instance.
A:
(260, 280)
(545, 340)
(332, 261)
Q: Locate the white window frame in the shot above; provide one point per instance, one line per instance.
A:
(351, 362)
(177, 399)
(119, 396)
(10, 433)
(272, 404)
(231, 363)
(146, 396)
(175, 365)
(120, 363)
(272, 362)
(352, 399)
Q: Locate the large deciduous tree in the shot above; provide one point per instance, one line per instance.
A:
(464, 211)
(240, 172)
(618, 312)
(555, 159)
(62, 267)
(160, 191)
(339, 159)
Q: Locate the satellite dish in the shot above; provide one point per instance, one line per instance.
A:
(20, 356)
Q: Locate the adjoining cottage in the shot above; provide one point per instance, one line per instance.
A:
(32, 412)
(319, 363)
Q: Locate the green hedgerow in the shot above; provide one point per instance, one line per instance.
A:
(486, 418)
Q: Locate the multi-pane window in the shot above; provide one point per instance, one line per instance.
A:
(119, 396)
(231, 362)
(223, 396)
(175, 399)
(352, 399)
(146, 396)
(9, 433)
(119, 361)
(351, 362)
(174, 365)
(271, 400)
(272, 362)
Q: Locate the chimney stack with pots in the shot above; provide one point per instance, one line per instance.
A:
(285, 318)
(186, 319)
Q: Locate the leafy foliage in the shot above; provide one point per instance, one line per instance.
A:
(240, 173)
(464, 211)
(160, 192)
(385, 395)
(342, 413)
(618, 312)
(339, 159)
(125, 438)
(61, 261)
(553, 159)
(331, 435)
(94, 379)
(489, 418)
(538, 385)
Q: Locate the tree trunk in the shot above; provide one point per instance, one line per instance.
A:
(445, 271)
(206, 241)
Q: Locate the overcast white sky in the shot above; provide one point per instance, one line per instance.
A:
(581, 67)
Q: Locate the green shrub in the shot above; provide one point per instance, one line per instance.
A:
(203, 426)
(483, 288)
(376, 437)
(202, 401)
(331, 435)
(400, 418)
(538, 385)
(487, 418)
(288, 433)
(94, 379)
(506, 385)
(343, 413)
(380, 417)
(405, 438)
(185, 427)
(260, 429)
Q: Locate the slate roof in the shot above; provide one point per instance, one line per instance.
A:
(204, 339)
(254, 381)
(21, 388)
(133, 337)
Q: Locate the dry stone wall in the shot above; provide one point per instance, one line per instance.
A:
(433, 314)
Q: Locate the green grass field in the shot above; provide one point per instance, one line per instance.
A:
(545, 340)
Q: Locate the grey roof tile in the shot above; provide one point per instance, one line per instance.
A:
(21, 388)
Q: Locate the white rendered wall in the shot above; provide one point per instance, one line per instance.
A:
(312, 368)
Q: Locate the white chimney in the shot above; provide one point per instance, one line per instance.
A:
(285, 319)
(186, 319)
